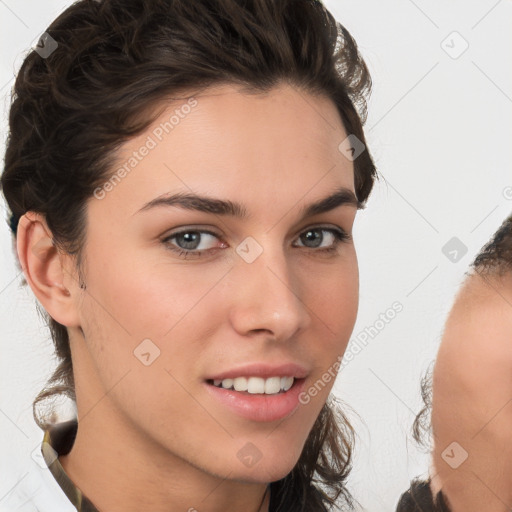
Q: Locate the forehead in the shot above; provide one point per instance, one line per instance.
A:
(223, 140)
(226, 114)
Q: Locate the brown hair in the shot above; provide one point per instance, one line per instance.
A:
(112, 61)
(494, 259)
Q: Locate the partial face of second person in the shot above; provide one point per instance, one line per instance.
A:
(472, 398)
(206, 314)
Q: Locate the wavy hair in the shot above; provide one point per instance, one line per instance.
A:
(109, 63)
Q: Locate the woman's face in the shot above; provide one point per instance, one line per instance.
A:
(177, 296)
(472, 400)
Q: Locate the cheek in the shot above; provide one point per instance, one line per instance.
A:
(336, 301)
(144, 299)
(332, 296)
(147, 327)
(146, 318)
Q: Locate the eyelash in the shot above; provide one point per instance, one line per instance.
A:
(339, 235)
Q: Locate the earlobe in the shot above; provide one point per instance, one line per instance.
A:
(42, 265)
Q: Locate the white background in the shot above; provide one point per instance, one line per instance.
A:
(440, 131)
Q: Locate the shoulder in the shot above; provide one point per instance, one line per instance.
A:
(34, 489)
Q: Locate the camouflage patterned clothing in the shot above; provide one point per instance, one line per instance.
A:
(58, 440)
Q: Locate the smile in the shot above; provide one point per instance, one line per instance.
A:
(256, 385)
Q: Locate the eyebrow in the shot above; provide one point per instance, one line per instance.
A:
(188, 201)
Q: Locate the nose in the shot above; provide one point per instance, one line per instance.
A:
(267, 298)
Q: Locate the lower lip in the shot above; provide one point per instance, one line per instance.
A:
(259, 407)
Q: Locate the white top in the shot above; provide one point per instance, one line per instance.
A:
(42, 484)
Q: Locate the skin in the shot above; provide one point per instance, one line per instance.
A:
(472, 398)
(274, 154)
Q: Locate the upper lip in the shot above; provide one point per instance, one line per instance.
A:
(263, 370)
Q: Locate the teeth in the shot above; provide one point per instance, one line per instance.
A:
(256, 385)
(272, 385)
(239, 383)
(286, 383)
(227, 383)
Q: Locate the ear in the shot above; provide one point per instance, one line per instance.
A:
(46, 269)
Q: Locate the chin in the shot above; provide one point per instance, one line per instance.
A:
(268, 469)
(261, 475)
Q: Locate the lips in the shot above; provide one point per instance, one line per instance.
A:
(258, 407)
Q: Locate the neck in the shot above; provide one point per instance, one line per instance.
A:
(142, 477)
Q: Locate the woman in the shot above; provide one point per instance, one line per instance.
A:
(183, 178)
(469, 393)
